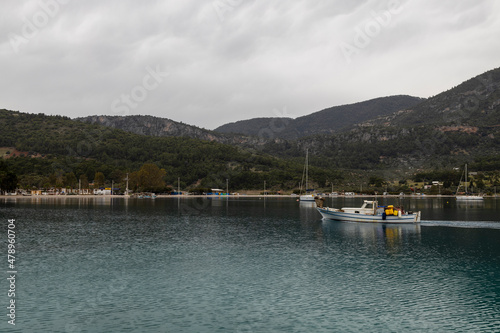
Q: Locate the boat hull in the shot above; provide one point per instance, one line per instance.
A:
(307, 197)
(469, 197)
(337, 215)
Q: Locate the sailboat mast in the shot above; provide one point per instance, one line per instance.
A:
(465, 178)
(126, 191)
(307, 167)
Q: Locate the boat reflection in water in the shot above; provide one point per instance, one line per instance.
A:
(470, 204)
(392, 237)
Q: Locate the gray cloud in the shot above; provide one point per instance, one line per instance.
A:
(234, 59)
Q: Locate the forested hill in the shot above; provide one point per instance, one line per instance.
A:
(461, 125)
(38, 148)
(258, 126)
(327, 121)
(457, 126)
(473, 103)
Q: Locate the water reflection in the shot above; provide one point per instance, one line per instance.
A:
(392, 237)
(271, 261)
(66, 200)
(469, 204)
(308, 211)
(433, 209)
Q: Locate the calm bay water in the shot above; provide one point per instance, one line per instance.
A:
(249, 265)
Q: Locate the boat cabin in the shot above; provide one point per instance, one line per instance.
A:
(368, 207)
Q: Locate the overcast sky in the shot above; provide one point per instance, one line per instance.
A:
(207, 63)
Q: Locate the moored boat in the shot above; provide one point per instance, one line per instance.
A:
(369, 212)
(306, 197)
(467, 196)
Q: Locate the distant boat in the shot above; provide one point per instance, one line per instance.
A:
(306, 197)
(369, 212)
(470, 197)
(467, 196)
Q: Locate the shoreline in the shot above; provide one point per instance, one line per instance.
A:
(87, 196)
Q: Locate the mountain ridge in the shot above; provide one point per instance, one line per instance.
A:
(327, 121)
(460, 125)
(474, 102)
(256, 132)
(454, 127)
(164, 127)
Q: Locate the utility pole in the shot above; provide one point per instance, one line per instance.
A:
(264, 188)
(178, 185)
(227, 186)
(112, 185)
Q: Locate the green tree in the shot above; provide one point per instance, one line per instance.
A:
(376, 181)
(8, 181)
(118, 177)
(52, 180)
(84, 181)
(99, 179)
(70, 180)
(150, 178)
(434, 190)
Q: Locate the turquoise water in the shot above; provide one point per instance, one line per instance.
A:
(249, 265)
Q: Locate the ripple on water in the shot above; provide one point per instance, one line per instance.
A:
(150, 268)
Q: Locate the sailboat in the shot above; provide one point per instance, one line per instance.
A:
(306, 197)
(466, 196)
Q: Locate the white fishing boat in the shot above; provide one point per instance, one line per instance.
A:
(306, 197)
(467, 196)
(369, 212)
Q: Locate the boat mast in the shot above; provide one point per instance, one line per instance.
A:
(465, 178)
(126, 190)
(307, 166)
